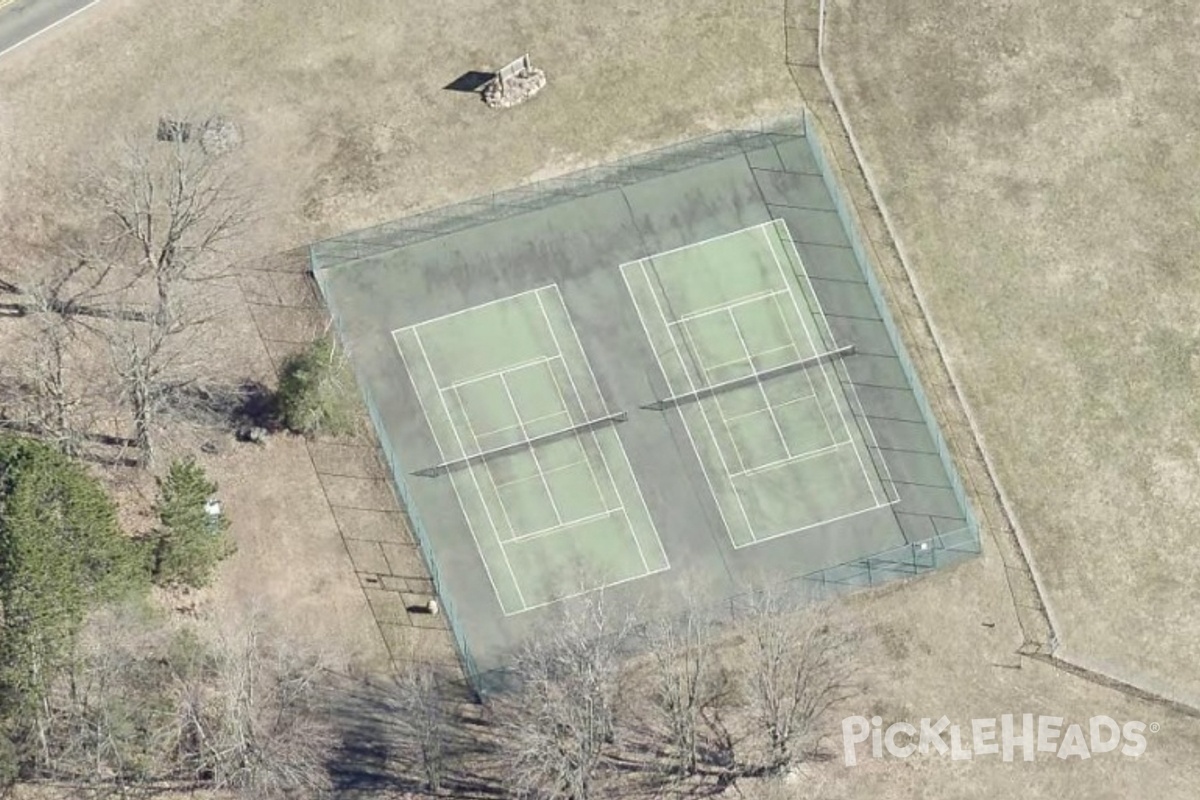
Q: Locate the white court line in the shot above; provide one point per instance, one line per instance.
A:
(789, 346)
(491, 478)
(469, 309)
(824, 368)
(700, 243)
(799, 357)
(744, 300)
(761, 389)
(562, 398)
(579, 401)
(437, 442)
(784, 404)
(595, 436)
(866, 423)
(820, 409)
(824, 419)
(498, 431)
(515, 481)
(637, 485)
(575, 388)
(496, 372)
(695, 351)
(575, 523)
(829, 521)
(487, 570)
(704, 414)
(582, 592)
(783, 462)
(783, 318)
(532, 452)
(474, 477)
(454, 485)
(824, 373)
(661, 368)
(791, 245)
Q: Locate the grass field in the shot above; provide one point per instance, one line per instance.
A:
(345, 115)
(1070, 316)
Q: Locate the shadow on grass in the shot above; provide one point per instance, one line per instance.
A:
(228, 407)
(471, 81)
(379, 748)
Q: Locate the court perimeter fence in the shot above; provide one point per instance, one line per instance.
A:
(902, 562)
(543, 194)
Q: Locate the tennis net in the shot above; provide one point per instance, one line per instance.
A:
(746, 380)
(527, 444)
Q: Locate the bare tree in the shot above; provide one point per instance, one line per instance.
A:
(75, 278)
(136, 277)
(172, 207)
(251, 722)
(169, 210)
(36, 396)
(559, 724)
(687, 688)
(139, 706)
(797, 665)
(54, 398)
(423, 714)
(145, 360)
(102, 716)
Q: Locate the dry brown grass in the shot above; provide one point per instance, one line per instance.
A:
(1066, 319)
(346, 122)
(1070, 315)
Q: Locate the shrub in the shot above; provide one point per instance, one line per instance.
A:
(313, 395)
(189, 542)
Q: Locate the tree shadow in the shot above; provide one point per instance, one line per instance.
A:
(229, 408)
(470, 81)
(377, 752)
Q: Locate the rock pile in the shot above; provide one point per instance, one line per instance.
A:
(219, 135)
(516, 90)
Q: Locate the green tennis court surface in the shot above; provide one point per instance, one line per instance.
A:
(781, 451)
(668, 380)
(549, 495)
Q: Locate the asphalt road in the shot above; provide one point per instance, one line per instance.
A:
(21, 20)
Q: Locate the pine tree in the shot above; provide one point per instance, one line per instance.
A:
(62, 554)
(190, 541)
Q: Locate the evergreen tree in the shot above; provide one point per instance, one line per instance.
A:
(62, 553)
(190, 541)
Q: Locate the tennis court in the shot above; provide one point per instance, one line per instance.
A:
(531, 449)
(679, 356)
(748, 360)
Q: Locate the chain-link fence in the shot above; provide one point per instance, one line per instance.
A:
(902, 562)
(850, 224)
(535, 196)
(445, 598)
